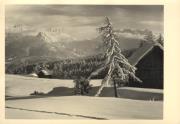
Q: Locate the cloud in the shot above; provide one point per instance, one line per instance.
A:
(133, 33)
(82, 20)
(151, 22)
(132, 36)
(68, 10)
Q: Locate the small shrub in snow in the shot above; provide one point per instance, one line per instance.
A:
(82, 86)
(37, 93)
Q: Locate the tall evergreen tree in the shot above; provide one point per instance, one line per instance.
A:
(115, 60)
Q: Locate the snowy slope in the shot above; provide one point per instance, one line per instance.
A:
(24, 86)
(88, 107)
(75, 107)
(19, 114)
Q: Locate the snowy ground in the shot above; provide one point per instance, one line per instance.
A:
(23, 86)
(24, 106)
(89, 107)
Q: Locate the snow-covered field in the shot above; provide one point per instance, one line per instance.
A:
(89, 107)
(23, 86)
(75, 107)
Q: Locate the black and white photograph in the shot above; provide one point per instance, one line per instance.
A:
(87, 62)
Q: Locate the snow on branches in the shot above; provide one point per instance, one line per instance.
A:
(115, 60)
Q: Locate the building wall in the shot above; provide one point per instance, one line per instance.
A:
(150, 69)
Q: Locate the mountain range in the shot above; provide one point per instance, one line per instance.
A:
(18, 45)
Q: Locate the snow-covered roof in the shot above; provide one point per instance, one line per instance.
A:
(46, 72)
(142, 51)
(33, 75)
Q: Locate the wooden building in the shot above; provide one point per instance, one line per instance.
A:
(149, 62)
(44, 74)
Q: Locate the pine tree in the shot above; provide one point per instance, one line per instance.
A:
(149, 37)
(160, 39)
(115, 60)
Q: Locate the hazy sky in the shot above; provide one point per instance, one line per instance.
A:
(81, 21)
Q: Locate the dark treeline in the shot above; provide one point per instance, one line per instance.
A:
(62, 69)
(71, 69)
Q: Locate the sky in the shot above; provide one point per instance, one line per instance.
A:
(81, 21)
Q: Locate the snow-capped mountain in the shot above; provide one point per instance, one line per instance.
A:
(63, 45)
(44, 44)
(55, 37)
(44, 37)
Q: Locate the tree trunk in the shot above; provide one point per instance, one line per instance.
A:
(115, 89)
(107, 78)
(102, 85)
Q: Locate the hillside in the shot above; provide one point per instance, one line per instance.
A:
(61, 68)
